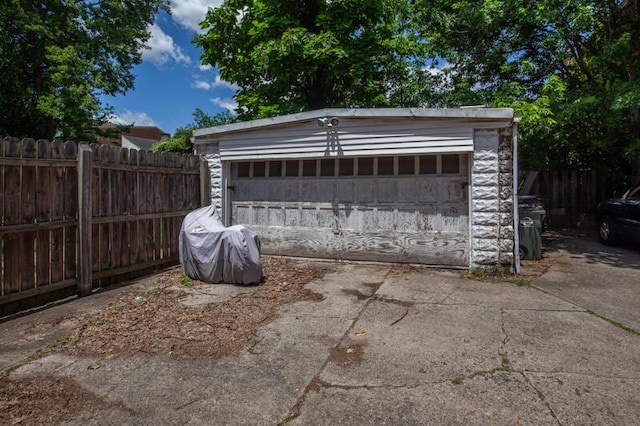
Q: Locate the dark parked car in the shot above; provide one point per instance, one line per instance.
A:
(619, 218)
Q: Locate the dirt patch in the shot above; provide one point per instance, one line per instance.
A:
(349, 352)
(156, 322)
(46, 400)
(404, 268)
(357, 294)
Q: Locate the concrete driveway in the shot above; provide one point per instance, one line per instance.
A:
(602, 279)
(417, 347)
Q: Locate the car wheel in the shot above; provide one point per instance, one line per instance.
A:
(607, 232)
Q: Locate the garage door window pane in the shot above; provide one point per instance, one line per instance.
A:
(275, 168)
(243, 169)
(259, 169)
(365, 166)
(308, 167)
(406, 165)
(291, 168)
(428, 165)
(327, 167)
(450, 164)
(346, 167)
(385, 166)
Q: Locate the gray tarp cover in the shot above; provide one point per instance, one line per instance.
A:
(211, 253)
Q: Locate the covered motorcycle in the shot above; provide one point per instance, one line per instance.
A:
(212, 253)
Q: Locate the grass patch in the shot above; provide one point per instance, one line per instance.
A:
(540, 394)
(506, 367)
(186, 281)
(457, 380)
(147, 294)
(59, 341)
(482, 373)
(506, 364)
(118, 306)
(498, 275)
(478, 273)
(613, 322)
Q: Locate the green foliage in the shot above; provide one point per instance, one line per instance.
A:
(180, 141)
(59, 341)
(179, 144)
(457, 380)
(186, 281)
(202, 120)
(148, 294)
(569, 68)
(288, 56)
(57, 57)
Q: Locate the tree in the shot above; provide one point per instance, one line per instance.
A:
(58, 56)
(289, 56)
(570, 68)
(180, 141)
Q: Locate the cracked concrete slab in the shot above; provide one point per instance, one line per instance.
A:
(431, 343)
(503, 398)
(385, 347)
(585, 399)
(572, 342)
(424, 286)
(598, 278)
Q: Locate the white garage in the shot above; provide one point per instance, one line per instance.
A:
(430, 186)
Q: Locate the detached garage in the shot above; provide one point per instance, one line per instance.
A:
(430, 186)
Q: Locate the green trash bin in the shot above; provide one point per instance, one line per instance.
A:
(530, 238)
(538, 217)
(533, 207)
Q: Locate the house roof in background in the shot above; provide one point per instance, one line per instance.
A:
(148, 132)
(129, 141)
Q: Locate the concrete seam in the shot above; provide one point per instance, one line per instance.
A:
(604, 318)
(541, 396)
(294, 412)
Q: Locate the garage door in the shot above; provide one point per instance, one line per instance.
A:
(410, 209)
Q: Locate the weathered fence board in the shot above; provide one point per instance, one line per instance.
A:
(13, 242)
(74, 219)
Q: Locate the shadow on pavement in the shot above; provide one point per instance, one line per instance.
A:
(584, 244)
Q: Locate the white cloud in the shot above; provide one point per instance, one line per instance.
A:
(129, 117)
(217, 82)
(203, 85)
(161, 49)
(206, 67)
(226, 103)
(189, 13)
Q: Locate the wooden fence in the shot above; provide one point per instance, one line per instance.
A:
(73, 217)
(571, 196)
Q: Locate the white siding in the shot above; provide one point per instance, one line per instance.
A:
(352, 137)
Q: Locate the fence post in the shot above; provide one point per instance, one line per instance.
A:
(205, 194)
(85, 166)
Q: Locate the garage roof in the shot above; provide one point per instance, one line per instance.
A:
(474, 113)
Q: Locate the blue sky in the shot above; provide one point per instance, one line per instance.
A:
(171, 82)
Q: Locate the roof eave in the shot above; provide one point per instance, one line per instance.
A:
(479, 113)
